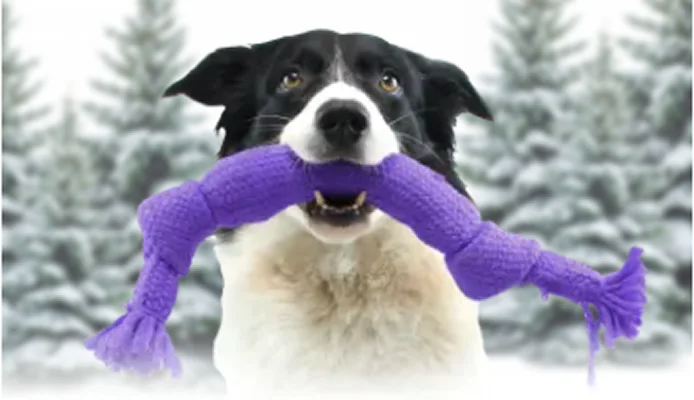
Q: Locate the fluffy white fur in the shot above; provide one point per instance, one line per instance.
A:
(379, 313)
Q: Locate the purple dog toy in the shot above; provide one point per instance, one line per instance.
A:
(255, 184)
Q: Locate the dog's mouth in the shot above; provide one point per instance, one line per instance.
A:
(339, 211)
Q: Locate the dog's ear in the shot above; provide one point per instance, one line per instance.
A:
(448, 89)
(214, 81)
(447, 92)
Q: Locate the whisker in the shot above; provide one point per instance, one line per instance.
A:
(271, 116)
(271, 125)
(393, 122)
(270, 141)
(419, 142)
(408, 114)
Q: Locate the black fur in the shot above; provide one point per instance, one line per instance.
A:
(245, 81)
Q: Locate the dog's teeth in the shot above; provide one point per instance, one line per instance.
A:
(361, 198)
(320, 200)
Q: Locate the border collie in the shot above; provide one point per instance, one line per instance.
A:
(334, 295)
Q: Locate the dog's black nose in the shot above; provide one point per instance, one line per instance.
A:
(342, 122)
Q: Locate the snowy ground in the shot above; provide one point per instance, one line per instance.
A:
(514, 379)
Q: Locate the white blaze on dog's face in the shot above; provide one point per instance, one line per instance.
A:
(336, 96)
(340, 121)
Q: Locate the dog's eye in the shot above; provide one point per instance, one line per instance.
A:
(292, 80)
(389, 83)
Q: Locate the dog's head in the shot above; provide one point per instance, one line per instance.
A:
(336, 96)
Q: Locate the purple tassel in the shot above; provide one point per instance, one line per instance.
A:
(136, 342)
(593, 327)
(619, 309)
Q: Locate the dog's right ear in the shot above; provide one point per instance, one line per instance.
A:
(214, 80)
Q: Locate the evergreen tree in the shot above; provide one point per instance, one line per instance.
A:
(147, 59)
(56, 300)
(661, 92)
(604, 219)
(510, 164)
(150, 145)
(19, 90)
(20, 118)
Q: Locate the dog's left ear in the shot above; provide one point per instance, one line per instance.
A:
(216, 79)
(448, 89)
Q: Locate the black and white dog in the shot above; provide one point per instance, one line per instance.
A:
(333, 293)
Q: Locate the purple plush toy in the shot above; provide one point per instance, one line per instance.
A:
(256, 184)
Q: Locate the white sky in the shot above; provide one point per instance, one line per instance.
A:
(66, 35)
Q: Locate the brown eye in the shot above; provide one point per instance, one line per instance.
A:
(292, 80)
(389, 83)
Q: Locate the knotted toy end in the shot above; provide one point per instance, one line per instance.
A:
(136, 342)
(623, 299)
(620, 307)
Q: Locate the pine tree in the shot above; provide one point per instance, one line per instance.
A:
(57, 300)
(21, 117)
(605, 218)
(19, 90)
(150, 145)
(147, 59)
(661, 92)
(510, 164)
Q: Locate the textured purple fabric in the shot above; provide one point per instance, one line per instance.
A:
(256, 184)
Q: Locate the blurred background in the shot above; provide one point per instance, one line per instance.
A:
(590, 153)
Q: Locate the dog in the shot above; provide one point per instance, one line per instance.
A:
(334, 296)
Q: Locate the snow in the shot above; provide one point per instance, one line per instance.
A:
(64, 294)
(531, 177)
(540, 99)
(599, 230)
(600, 258)
(491, 197)
(512, 379)
(679, 198)
(680, 241)
(503, 168)
(194, 304)
(539, 140)
(674, 78)
(678, 159)
(655, 253)
(499, 310)
(526, 216)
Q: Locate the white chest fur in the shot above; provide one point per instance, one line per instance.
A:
(380, 312)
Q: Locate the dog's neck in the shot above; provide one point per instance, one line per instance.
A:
(370, 262)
